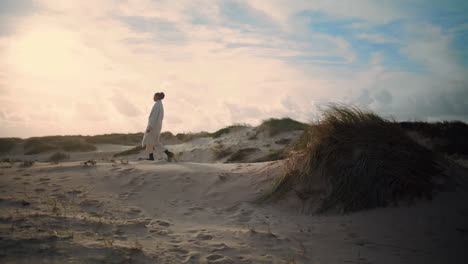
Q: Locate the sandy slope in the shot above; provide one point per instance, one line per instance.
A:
(159, 212)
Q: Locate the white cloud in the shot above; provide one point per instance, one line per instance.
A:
(79, 62)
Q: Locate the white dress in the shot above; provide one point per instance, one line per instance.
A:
(151, 141)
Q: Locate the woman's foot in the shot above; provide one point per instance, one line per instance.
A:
(151, 157)
(170, 155)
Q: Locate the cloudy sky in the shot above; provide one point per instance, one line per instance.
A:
(92, 67)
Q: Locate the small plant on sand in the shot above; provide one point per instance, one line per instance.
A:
(352, 160)
(57, 157)
(27, 163)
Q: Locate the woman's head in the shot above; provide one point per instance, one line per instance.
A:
(159, 96)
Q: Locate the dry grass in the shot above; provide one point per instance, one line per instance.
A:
(353, 160)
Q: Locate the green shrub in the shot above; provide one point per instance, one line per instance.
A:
(58, 157)
(353, 160)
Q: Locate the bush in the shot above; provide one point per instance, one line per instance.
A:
(57, 157)
(353, 160)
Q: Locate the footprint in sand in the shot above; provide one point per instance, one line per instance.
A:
(217, 258)
(202, 236)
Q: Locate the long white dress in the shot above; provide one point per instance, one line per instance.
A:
(151, 140)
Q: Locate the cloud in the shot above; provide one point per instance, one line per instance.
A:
(99, 63)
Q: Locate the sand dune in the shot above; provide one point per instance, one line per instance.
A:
(185, 212)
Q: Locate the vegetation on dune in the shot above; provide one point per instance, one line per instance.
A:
(37, 145)
(276, 126)
(227, 130)
(241, 155)
(7, 144)
(185, 137)
(129, 139)
(131, 151)
(352, 160)
(57, 157)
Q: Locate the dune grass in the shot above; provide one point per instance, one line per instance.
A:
(37, 145)
(227, 130)
(276, 126)
(186, 137)
(7, 144)
(353, 160)
(129, 139)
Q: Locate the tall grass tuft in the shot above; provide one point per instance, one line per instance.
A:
(352, 160)
(37, 145)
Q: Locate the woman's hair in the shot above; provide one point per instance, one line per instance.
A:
(161, 95)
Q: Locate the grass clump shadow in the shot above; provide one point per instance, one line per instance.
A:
(352, 160)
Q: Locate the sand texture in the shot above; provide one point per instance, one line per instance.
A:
(184, 212)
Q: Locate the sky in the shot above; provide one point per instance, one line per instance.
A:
(92, 67)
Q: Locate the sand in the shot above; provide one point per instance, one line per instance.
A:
(204, 211)
(184, 212)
